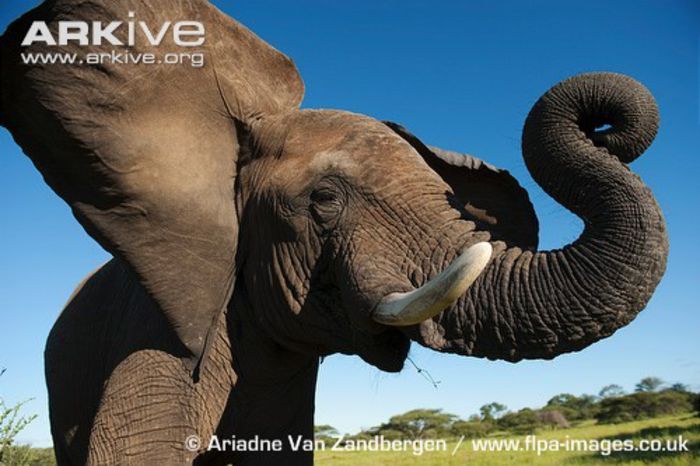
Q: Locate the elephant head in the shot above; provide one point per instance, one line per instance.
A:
(349, 234)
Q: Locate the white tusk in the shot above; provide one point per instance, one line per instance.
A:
(443, 290)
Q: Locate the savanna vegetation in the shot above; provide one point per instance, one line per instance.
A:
(666, 428)
(651, 399)
(654, 410)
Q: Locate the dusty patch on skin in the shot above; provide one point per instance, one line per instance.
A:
(330, 160)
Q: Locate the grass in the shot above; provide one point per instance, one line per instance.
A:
(660, 428)
(687, 425)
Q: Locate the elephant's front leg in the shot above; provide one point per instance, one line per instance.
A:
(153, 413)
(145, 414)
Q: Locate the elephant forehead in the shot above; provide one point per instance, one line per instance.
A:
(314, 143)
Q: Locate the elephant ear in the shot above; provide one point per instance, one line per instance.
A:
(490, 195)
(146, 154)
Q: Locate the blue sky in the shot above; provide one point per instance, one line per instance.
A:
(461, 75)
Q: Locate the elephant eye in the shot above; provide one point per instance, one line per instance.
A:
(325, 206)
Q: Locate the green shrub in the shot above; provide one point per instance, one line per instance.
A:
(524, 421)
(11, 424)
(24, 455)
(471, 429)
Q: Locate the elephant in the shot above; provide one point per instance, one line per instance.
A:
(250, 238)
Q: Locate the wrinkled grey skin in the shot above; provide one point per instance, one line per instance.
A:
(251, 237)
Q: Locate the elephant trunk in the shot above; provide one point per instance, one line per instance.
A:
(542, 304)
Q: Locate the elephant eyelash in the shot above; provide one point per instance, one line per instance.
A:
(324, 196)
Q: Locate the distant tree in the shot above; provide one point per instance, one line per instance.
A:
(649, 384)
(644, 405)
(679, 387)
(418, 423)
(561, 399)
(574, 408)
(492, 411)
(327, 434)
(611, 391)
(325, 429)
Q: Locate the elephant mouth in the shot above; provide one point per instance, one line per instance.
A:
(387, 351)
